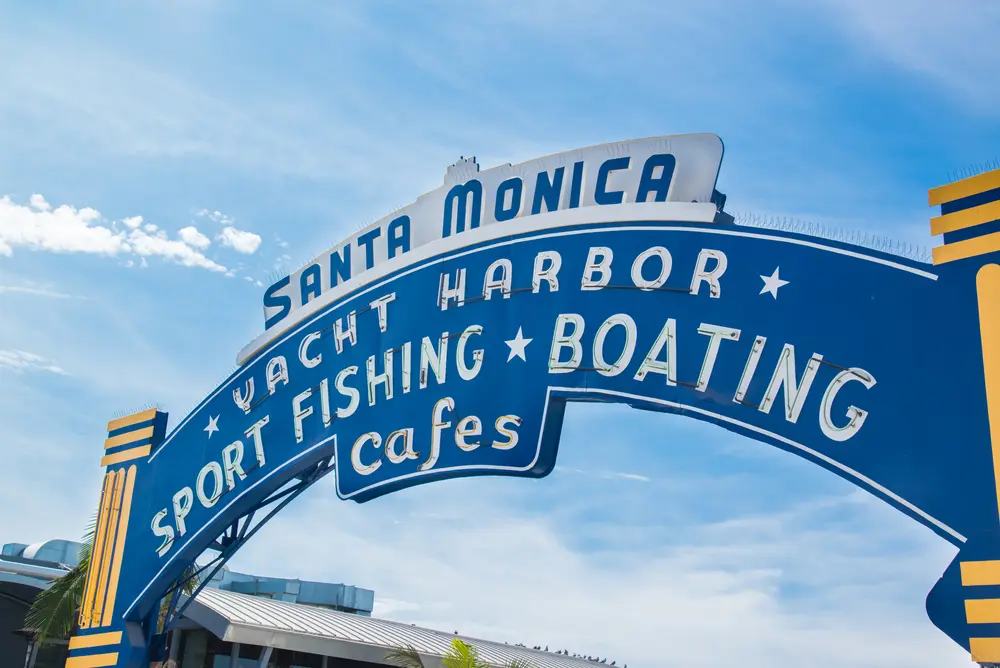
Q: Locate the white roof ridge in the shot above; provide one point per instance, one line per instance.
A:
(298, 625)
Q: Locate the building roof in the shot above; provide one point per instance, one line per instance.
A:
(57, 551)
(38, 574)
(346, 598)
(250, 620)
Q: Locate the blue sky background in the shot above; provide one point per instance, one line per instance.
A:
(658, 541)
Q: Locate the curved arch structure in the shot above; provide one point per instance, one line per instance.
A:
(456, 355)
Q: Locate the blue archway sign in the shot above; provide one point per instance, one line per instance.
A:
(445, 341)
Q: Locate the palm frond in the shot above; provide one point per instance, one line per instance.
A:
(405, 657)
(462, 655)
(53, 612)
(87, 542)
(191, 581)
(519, 663)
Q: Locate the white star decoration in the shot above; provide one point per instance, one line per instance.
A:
(517, 346)
(772, 283)
(213, 425)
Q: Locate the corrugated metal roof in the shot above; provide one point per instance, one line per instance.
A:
(259, 621)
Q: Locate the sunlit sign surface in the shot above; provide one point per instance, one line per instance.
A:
(457, 358)
(680, 168)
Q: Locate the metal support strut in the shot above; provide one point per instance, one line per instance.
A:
(233, 538)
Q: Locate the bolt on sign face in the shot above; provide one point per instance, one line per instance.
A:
(446, 340)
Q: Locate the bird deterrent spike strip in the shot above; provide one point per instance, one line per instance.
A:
(365, 223)
(219, 381)
(276, 275)
(855, 237)
(974, 170)
(887, 245)
(131, 411)
(783, 223)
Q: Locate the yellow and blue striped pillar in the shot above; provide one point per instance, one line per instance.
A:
(970, 223)
(99, 634)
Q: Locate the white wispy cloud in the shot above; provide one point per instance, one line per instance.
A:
(147, 245)
(607, 475)
(192, 237)
(215, 216)
(38, 226)
(72, 83)
(34, 291)
(239, 240)
(38, 202)
(161, 114)
(512, 576)
(953, 44)
(20, 361)
(63, 230)
(390, 607)
(629, 476)
(488, 569)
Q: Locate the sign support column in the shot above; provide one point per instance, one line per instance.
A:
(970, 211)
(102, 637)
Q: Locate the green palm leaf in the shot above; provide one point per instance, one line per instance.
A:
(404, 657)
(53, 612)
(463, 655)
(191, 581)
(460, 655)
(518, 663)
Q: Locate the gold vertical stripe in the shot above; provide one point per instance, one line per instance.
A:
(116, 560)
(988, 290)
(102, 577)
(984, 650)
(95, 552)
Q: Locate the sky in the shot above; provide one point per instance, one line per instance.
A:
(160, 162)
